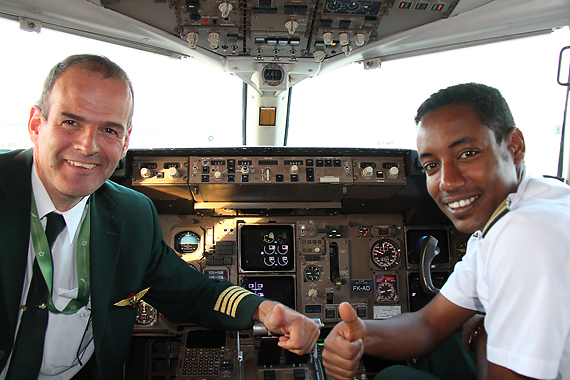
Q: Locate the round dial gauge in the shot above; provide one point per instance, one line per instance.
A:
(187, 242)
(385, 291)
(333, 5)
(273, 74)
(146, 314)
(385, 254)
(363, 231)
(352, 6)
(312, 273)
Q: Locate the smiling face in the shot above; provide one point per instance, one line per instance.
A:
(468, 173)
(79, 144)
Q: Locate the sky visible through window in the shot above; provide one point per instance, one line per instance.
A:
(185, 104)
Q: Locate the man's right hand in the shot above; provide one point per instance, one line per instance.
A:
(344, 345)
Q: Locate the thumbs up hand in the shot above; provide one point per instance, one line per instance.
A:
(344, 345)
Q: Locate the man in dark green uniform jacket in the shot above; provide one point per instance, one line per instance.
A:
(80, 129)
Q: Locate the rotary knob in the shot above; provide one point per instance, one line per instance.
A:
(192, 39)
(312, 293)
(214, 39)
(225, 8)
(146, 173)
(367, 172)
(217, 174)
(173, 172)
(291, 26)
(393, 172)
(294, 169)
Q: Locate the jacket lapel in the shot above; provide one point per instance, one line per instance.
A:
(15, 205)
(105, 242)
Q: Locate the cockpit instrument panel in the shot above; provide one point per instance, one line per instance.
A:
(310, 229)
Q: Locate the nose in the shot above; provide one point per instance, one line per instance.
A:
(451, 177)
(87, 141)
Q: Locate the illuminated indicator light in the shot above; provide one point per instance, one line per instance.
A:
(405, 5)
(205, 21)
(437, 7)
(267, 116)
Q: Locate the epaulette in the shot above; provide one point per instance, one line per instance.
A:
(503, 208)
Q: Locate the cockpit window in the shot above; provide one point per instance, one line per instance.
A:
(353, 107)
(179, 103)
(184, 103)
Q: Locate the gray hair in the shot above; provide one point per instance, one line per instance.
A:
(90, 62)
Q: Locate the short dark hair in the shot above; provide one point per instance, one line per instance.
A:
(90, 62)
(488, 103)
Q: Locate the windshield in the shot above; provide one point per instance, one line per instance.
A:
(179, 103)
(353, 107)
(186, 104)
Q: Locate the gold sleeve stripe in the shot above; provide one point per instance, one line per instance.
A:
(229, 299)
(223, 295)
(236, 303)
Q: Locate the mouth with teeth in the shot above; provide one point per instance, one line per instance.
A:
(81, 164)
(461, 203)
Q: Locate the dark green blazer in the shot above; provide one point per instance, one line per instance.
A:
(128, 254)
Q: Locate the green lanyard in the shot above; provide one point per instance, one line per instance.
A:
(41, 247)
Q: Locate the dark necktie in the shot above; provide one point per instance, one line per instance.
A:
(28, 350)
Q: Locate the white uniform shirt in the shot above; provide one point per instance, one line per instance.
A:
(67, 336)
(519, 274)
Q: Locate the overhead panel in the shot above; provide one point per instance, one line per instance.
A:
(282, 30)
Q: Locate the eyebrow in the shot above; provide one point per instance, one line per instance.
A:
(82, 119)
(463, 140)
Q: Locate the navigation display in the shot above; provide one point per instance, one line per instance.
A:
(267, 247)
(274, 288)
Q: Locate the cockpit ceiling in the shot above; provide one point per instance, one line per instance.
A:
(292, 39)
(283, 29)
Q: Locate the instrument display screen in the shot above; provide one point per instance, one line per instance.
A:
(274, 288)
(267, 248)
(205, 339)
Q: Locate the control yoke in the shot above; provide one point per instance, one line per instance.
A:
(429, 251)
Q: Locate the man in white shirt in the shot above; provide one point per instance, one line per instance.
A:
(516, 267)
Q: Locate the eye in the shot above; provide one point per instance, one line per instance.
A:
(111, 131)
(69, 122)
(429, 166)
(468, 154)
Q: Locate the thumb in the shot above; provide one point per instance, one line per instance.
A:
(354, 325)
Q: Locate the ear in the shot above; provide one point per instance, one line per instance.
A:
(515, 141)
(34, 124)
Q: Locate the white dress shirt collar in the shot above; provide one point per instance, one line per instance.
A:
(44, 204)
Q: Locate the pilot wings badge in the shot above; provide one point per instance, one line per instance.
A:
(133, 298)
